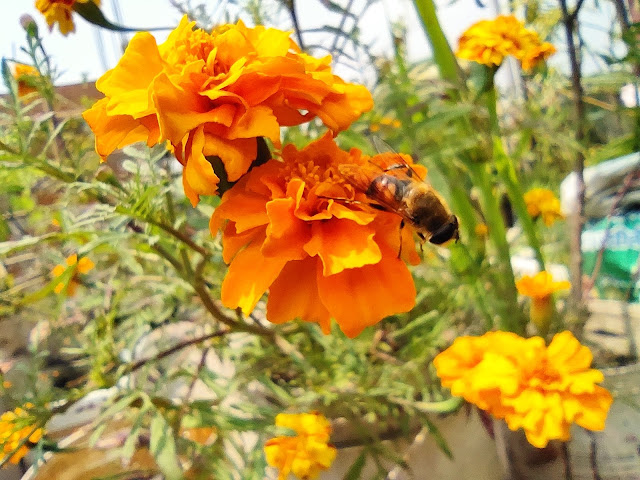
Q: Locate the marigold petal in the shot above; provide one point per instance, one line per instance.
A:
(286, 234)
(294, 294)
(113, 132)
(127, 85)
(361, 297)
(249, 276)
(198, 176)
(342, 244)
(237, 155)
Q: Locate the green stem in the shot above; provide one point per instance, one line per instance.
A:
(498, 235)
(442, 53)
(507, 172)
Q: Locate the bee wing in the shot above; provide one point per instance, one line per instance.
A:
(364, 179)
(397, 165)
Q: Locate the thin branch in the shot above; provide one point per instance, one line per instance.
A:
(569, 21)
(132, 367)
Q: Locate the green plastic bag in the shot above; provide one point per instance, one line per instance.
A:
(618, 275)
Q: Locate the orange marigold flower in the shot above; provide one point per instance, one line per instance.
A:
(540, 288)
(487, 42)
(212, 95)
(81, 266)
(25, 76)
(16, 427)
(542, 202)
(297, 228)
(308, 452)
(59, 11)
(541, 389)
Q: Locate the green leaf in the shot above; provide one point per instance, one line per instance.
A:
(92, 14)
(355, 470)
(163, 448)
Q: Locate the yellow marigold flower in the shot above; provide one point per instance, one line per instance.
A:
(542, 202)
(16, 427)
(81, 266)
(540, 288)
(299, 229)
(541, 389)
(59, 11)
(25, 76)
(487, 42)
(306, 454)
(212, 95)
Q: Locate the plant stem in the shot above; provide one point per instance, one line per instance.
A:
(510, 321)
(442, 53)
(575, 263)
(507, 171)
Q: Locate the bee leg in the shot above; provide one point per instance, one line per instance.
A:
(400, 235)
(423, 239)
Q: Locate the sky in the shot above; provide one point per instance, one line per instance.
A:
(78, 56)
(91, 51)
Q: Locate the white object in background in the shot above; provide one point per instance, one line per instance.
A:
(629, 95)
(602, 182)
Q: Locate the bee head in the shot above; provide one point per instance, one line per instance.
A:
(448, 231)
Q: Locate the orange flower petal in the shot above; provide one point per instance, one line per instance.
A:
(114, 132)
(342, 244)
(249, 276)
(294, 294)
(198, 177)
(127, 85)
(358, 298)
(237, 155)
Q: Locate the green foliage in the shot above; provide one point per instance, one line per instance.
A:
(146, 322)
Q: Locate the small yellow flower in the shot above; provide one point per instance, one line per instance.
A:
(541, 389)
(60, 12)
(487, 42)
(542, 202)
(81, 266)
(16, 427)
(540, 289)
(481, 230)
(25, 75)
(306, 454)
(6, 384)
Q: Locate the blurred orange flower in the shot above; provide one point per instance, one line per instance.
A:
(60, 12)
(83, 265)
(25, 76)
(16, 427)
(541, 389)
(297, 228)
(542, 202)
(213, 94)
(539, 288)
(306, 454)
(487, 42)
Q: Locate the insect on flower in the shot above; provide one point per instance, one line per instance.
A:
(395, 186)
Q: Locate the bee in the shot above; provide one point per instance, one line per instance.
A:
(396, 187)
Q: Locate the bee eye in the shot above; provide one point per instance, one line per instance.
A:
(446, 232)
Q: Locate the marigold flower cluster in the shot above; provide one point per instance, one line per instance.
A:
(542, 202)
(212, 94)
(24, 75)
(307, 453)
(81, 266)
(16, 428)
(540, 288)
(541, 389)
(298, 229)
(487, 42)
(60, 12)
